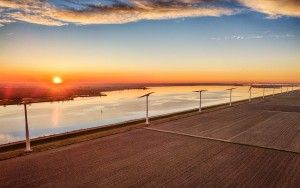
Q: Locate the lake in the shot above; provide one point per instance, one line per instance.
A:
(118, 106)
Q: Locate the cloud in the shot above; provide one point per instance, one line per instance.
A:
(274, 8)
(264, 35)
(46, 12)
(107, 12)
(31, 11)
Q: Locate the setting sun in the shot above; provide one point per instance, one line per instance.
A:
(57, 80)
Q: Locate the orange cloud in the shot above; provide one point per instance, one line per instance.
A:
(274, 8)
(119, 12)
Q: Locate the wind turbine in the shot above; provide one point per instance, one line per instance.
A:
(250, 93)
(230, 94)
(264, 92)
(25, 102)
(147, 105)
(101, 95)
(200, 94)
(273, 91)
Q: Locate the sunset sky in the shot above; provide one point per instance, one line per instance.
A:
(133, 41)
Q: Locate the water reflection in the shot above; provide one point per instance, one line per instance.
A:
(57, 112)
(117, 106)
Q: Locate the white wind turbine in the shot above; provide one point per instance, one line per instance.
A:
(101, 95)
(250, 93)
(200, 98)
(147, 105)
(264, 92)
(230, 94)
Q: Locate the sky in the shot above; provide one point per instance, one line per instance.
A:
(149, 41)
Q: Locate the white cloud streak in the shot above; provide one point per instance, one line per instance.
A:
(265, 35)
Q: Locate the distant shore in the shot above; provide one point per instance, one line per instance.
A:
(39, 95)
(15, 94)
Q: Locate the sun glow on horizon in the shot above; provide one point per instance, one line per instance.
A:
(57, 80)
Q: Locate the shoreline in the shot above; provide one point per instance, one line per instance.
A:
(94, 91)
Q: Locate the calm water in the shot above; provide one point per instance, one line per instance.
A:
(118, 106)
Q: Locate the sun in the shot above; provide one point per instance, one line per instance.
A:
(57, 80)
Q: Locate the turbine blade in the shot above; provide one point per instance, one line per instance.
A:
(146, 95)
(200, 90)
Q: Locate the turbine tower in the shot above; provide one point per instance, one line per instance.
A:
(25, 102)
(147, 105)
(200, 96)
(250, 93)
(101, 95)
(230, 94)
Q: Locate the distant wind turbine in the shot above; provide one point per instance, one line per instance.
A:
(250, 93)
(101, 95)
(230, 94)
(147, 105)
(264, 92)
(273, 91)
(200, 96)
